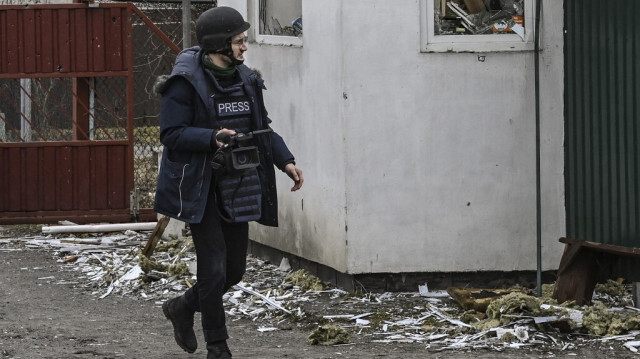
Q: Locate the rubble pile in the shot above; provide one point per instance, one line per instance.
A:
(278, 298)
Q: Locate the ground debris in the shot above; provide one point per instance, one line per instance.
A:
(478, 299)
(612, 288)
(176, 246)
(305, 280)
(513, 303)
(277, 298)
(603, 321)
(329, 334)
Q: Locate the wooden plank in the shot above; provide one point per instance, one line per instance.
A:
(478, 299)
(569, 254)
(604, 248)
(80, 109)
(578, 280)
(155, 236)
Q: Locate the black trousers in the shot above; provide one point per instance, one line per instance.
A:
(221, 252)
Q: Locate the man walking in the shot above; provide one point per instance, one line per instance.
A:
(208, 103)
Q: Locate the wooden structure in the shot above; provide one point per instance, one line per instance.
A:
(579, 268)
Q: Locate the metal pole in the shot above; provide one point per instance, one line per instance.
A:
(538, 186)
(25, 108)
(186, 24)
(3, 130)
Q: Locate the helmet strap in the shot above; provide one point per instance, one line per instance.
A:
(228, 52)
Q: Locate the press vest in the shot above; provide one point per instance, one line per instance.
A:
(185, 177)
(238, 193)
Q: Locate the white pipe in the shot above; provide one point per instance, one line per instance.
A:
(25, 109)
(93, 228)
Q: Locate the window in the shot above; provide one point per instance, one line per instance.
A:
(279, 22)
(476, 25)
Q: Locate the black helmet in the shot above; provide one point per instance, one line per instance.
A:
(216, 26)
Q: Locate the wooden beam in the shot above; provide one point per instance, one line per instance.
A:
(155, 236)
(604, 248)
(579, 275)
(80, 108)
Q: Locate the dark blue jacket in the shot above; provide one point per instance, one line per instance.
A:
(187, 125)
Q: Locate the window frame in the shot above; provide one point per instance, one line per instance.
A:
(429, 42)
(261, 39)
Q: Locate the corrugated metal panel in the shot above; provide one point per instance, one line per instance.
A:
(64, 177)
(602, 131)
(63, 39)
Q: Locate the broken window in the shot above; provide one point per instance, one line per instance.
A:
(477, 25)
(280, 17)
(478, 17)
(279, 22)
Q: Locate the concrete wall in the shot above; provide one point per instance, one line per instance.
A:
(414, 162)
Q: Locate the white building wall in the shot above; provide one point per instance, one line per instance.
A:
(414, 162)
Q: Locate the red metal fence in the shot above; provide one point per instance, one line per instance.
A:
(65, 39)
(64, 180)
(68, 113)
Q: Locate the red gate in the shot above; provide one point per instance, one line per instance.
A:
(66, 113)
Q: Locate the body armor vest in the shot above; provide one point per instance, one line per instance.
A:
(238, 192)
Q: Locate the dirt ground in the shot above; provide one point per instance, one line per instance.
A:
(45, 313)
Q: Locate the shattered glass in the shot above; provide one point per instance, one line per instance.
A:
(478, 17)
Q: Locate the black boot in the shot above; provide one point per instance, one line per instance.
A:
(181, 316)
(218, 350)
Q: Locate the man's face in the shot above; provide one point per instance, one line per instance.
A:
(239, 46)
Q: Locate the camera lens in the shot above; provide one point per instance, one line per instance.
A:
(245, 157)
(242, 158)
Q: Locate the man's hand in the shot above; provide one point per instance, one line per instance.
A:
(295, 174)
(222, 132)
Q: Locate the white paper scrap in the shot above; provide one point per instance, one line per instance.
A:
(134, 273)
(633, 345)
(267, 329)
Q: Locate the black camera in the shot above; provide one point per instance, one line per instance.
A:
(237, 153)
